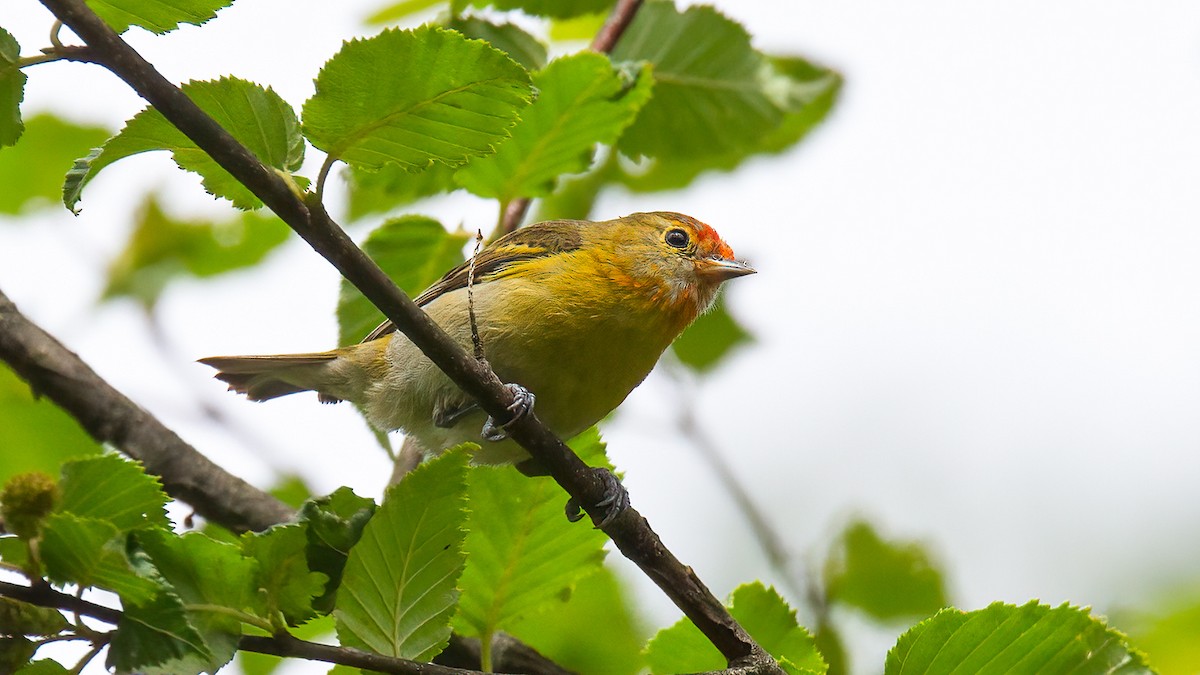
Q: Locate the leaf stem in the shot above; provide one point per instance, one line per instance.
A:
(485, 652)
(322, 175)
(87, 658)
(244, 617)
(26, 61)
(55, 28)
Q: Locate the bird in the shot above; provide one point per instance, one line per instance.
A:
(572, 313)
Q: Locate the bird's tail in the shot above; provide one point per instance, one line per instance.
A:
(265, 377)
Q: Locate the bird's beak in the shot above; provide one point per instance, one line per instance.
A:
(720, 269)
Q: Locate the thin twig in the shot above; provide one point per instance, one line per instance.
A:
(475, 339)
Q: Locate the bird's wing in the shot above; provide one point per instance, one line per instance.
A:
(528, 243)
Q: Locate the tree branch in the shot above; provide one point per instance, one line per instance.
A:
(629, 530)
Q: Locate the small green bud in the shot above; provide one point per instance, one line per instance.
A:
(27, 498)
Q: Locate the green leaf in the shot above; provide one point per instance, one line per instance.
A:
(509, 38)
(401, 10)
(335, 524)
(765, 616)
(161, 249)
(523, 556)
(284, 582)
(44, 667)
(582, 27)
(559, 9)
(575, 196)
(582, 101)
(36, 434)
(887, 580)
(91, 552)
(15, 551)
(12, 89)
(713, 336)
(316, 630)
(22, 618)
(256, 117)
(113, 489)
(450, 99)
(15, 651)
(1167, 631)
(1033, 638)
(156, 16)
(414, 251)
(393, 186)
(32, 171)
(709, 95)
(398, 591)
(156, 637)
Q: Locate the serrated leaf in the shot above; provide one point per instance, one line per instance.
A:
(256, 117)
(91, 552)
(44, 667)
(155, 637)
(35, 433)
(887, 579)
(765, 616)
(414, 251)
(22, 618)
(161, 249)
(559, 9)
(32, 171)
(713, 336)
(283, 581)
(113, 489)
(709, 94)
(413, 97)
(12, 89)
(509, 38)
(156, 16)
(582, 101)
(523, 556)
(398, 590)
(1002, 638)
(392, 186)
(335, 524)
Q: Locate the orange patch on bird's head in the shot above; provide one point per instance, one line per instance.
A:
(708, 243)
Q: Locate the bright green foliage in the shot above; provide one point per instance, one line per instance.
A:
(113, 489)
(711, 338)
(560, 9)
(1167, 633)
(594, 631)
(524, 556)
(32, 171)
(765, 616)
(15, 551)
(156, 16)
(257, 117)
(582, 27)
(401, 10)
(335, 523)
(452, 99)
(888, 580)
(509, 38)
(1032, 638)
(36, 434)
(582, 100)
(161, 249)
(12, 89)
(284, 582)
(156, 637)
(709, 96)
(576, 196)
(393, 186)
(44, 667)
(398, 591)
(91, 552)
(414, 251)
(22, 618)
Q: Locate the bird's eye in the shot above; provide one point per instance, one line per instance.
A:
(677, 238)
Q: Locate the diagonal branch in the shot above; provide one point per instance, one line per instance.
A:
(629, 531)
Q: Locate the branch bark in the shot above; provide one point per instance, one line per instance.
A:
(629, 530)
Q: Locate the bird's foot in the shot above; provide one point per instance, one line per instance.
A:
(521, 405)
(615, 500)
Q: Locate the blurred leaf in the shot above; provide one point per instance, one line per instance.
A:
(291, 490)
(257, 117)
(523, 556)
(91, 552)
(453, 99)
(398, 592)
(575, 196)
(582, 100)
(12, 90)
(44, 667)
(36, 434)
(156, 16)
(611, 643)
(414, 251)
(1033, 638)
(156, 637)
(709, 97)
(161, 249)
(710, 338)
(113, 489)
(15, 552)
(401, 10)
(25, 502)
(22, 618)
(335, 523)
(32, 171)
(509, 38)
(15, 651)
(831, 647)
(888, 580)
(682, 648)
(559, 9)
(1168, 633)
(582, 27)
(284, 582)
(392, 186)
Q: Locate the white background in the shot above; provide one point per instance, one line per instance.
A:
(977, 313)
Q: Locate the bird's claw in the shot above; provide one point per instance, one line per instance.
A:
(522, 403)
(615, 500)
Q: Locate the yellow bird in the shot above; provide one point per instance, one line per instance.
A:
(573, 312)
